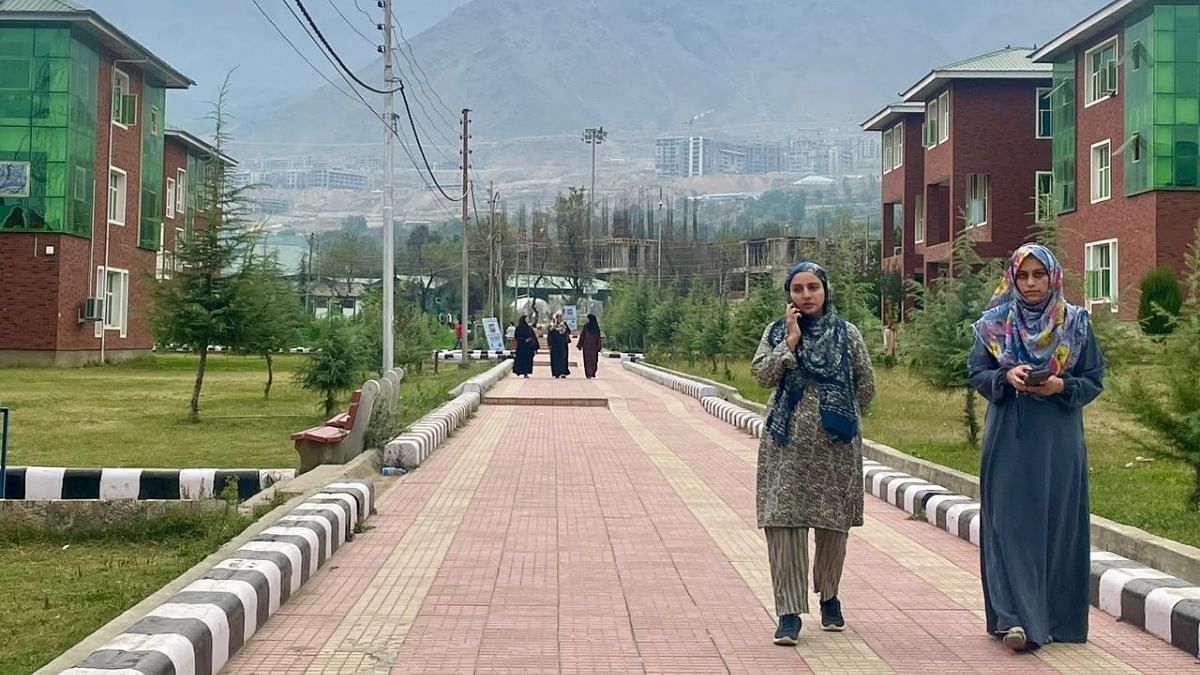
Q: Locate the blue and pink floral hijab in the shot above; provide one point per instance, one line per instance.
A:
(1050, 334)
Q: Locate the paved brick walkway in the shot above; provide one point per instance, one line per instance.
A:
(623, 539)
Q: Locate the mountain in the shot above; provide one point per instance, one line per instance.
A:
(530, 68)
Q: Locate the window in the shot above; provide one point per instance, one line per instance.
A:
(1135, 55)
(114, 289)
(919, 219)
(887, 151)
(170, 197)
(1043, 196)
(978, 187)
(1043, 113)
(180, 191)
(161, 264)
(1101, 172)
(116, 196)
(154, 120)
(124, 104)
(1100, 272)
(931, 124)
(1102, 72)
(898, 146)
(944, 117)
(897, 228)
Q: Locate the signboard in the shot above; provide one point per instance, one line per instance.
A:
(495, 337)
(570, 317)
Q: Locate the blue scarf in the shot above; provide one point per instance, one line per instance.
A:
(824, 358)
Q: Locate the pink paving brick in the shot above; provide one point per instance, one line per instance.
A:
(548, 540)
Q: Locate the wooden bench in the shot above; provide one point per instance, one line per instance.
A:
(341, 438)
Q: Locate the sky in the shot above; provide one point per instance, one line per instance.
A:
(205, 39)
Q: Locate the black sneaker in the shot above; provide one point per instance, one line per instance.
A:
(789, 630)
(831, 615)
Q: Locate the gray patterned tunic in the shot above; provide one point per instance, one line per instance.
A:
(815, 481)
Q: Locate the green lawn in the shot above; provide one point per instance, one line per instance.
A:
(909, 416)
(59, 588)
(135, 414)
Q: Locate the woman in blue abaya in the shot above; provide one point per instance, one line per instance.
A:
(1034, 540)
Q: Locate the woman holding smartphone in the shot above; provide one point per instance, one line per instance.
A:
(810, 454)
(1037, 363)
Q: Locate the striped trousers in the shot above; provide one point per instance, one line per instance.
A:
(787, 550)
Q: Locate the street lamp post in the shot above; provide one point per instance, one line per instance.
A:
(593, 137)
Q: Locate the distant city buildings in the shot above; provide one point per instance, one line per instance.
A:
(685, 156)
(304, 173)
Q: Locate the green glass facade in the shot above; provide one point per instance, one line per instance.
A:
(1063, 139)
(1174, 58)
(48, 86)
(153, 105)
(1138, 92)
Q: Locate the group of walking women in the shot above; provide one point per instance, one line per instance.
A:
(558, 336)
(1036, 362)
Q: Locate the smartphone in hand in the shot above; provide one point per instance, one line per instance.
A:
(1038, 377)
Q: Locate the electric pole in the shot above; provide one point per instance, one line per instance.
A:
(389, 252)
(660, 234)
(593, 137)
(466, 291)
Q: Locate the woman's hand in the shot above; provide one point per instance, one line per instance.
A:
(793, 327)
(1016, 376)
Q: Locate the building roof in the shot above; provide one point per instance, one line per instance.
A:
(87, 20)
(1010, 63)
(194, 143)
(891, 114)
(1086, 30)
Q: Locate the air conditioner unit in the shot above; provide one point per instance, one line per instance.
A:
(93, 309)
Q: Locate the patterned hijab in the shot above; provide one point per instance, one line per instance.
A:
(1049, 334)
(823, 359)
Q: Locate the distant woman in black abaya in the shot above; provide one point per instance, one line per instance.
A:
(559, 339)
(527, 344)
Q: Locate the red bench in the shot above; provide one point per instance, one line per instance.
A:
(334, 430)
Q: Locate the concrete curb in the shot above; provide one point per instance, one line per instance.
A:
(672, 381)
(45, 483)
(1163, 605)
(197, 629)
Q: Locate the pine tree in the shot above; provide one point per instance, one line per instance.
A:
(271, 310)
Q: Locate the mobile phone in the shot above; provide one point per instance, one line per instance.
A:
(1037, 377)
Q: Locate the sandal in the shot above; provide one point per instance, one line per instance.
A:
(1015, 638)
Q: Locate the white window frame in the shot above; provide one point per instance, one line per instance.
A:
(919, 219)
(181, 191)
(120, 81)
(973, 183)
(888, 159)
(1038, 131)
(1037, 196)
(1100, 176)
(898, 146)
(154, 120)
(898, 246)
(116, 299)
(1093, 76)
(931, 117)
(1113, 262)
(121, 196)
(944, 117)
(170, 198)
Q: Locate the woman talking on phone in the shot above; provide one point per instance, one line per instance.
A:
(810, 454)
(1037, 363)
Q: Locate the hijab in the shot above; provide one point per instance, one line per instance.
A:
(823, 359)
(593, 326)
(1049, 334)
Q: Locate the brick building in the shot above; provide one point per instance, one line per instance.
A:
(83, 190)
(1126, 123)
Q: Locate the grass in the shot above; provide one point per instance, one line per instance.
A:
(910, 416)
(59, 588)
(135, 414)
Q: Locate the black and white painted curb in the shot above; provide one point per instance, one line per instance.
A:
(197, 630)
(417, 443)
(624, 356)
(46, 483)
(476, 354)
(1158, 603)
(682, 385)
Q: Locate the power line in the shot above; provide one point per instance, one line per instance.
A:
(420, 147)
(352, 26)
(332, 52)
(440, 130)
(414, 61)
(297, 50)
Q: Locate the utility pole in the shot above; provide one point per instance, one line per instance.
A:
(389, 249)
(497, 255)
(660, 234)
(466, 291)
